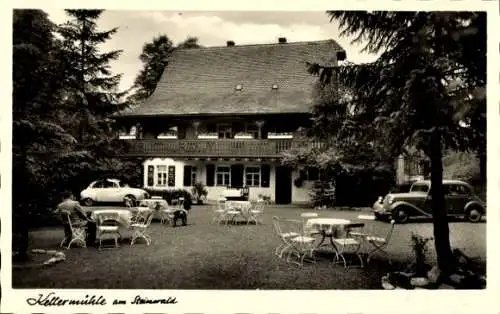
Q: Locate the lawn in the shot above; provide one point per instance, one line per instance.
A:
(201, 255)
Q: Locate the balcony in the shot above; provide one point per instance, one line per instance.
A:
(214, 148)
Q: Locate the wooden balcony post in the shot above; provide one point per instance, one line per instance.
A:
(259, 124)
(196, 125)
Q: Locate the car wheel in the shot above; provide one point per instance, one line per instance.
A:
(129, 201)
(400, 215)
(473, 214)
(88, 202)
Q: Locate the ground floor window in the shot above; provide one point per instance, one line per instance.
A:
(193, 175)
(223, 175)
(161, 175)
(252, 176)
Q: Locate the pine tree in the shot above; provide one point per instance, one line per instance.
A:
(92, 88)
(154, 57)
(38, 136)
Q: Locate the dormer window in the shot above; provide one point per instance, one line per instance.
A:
(239, 87)
(275, 86)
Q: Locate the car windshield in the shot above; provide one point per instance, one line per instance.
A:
(420, 188)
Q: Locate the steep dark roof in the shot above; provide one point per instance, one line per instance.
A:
(203, 81)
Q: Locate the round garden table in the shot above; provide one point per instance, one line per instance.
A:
(327, 227)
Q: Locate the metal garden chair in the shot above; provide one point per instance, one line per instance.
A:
(108, 224)
(350, 243)
(377, 244)
(78, 232)
(140, 229)
(284, 237)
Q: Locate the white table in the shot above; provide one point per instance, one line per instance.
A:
(238, 208)
(327, 227)
(123, 216)
(152, 203)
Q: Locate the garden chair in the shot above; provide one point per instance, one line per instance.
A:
(139, 212)
(108, 224)
(350, 242)
(140, 229)
(376, 243)
(256, 211)
(219, 211)
(283, 236)
(167, 214)
(232, 212)
(301, 246)
(78, 232)
(307, 230)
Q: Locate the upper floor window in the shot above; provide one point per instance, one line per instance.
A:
(172, 132)
(128, 133)
(225, 130)
(223, 175)
(251, 128)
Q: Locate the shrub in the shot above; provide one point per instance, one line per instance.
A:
(171, 194)
(199, 192)
(419, 247)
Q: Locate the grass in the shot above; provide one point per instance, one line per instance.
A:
(201, 255)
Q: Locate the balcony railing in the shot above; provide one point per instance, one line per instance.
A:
(260, 148)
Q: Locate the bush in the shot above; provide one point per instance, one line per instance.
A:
(172, 194)
(362, 187)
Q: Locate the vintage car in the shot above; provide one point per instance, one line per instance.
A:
(111, 191)
(460, 201)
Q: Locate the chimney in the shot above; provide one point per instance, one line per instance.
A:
(282, 40)
(230, 43)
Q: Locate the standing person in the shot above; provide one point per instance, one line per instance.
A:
(78, 218)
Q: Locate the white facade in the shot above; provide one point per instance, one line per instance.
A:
(159, 178)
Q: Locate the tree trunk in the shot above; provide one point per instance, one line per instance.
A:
(482, 168)
(445, 257)
(20, 220)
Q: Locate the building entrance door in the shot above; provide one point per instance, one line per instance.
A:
(283, 185)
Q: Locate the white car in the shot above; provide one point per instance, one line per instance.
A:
(111, 191)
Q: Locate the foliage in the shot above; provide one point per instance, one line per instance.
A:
(462, 166)
(172, 194)
(37, 133)
(63, 93)
(419, 248)
(424, 91)
(199, 191)
(154, 57)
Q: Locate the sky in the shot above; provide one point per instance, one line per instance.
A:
(212, 29)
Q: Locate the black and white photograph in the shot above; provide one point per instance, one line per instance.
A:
(155, 152)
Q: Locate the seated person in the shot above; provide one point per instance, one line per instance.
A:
(179, 213)
(77, 216)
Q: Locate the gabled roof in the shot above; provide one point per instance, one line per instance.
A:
(204, 80)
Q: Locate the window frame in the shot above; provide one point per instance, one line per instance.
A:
(251, 128)
(217, 172)
(164, 175)
(224, 128)
(194, 175)
(253, 174)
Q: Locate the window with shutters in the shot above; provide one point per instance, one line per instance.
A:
(193, 176)
(223, 176)
(161, 175)
(252, 176)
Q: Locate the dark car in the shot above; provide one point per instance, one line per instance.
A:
(460, 201)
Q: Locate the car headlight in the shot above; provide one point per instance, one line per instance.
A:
(390, 199)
